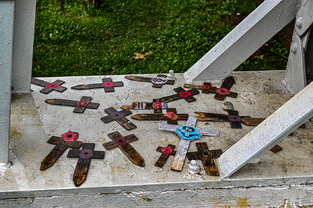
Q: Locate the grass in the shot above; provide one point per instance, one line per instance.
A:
(179, 32)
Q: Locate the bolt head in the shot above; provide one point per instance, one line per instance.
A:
(299, 22)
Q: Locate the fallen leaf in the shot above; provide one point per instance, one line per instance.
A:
(142, 56)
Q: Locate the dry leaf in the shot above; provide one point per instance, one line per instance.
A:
(142, 56)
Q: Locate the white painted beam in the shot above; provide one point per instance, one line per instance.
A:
(269, 133)
(6, 50)
(255, 30)
(24, 26)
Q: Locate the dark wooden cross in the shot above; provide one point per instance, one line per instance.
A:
(85, 155)
(68, 139)
(224, 91)
(207, 158)
(49, 87)
(119, 117)
(156, 105)
(107, 84)
(123, 144)
(157, 82)
(166, 152)
(171, 116)
(233, 118)
(80, 106)
(181, 94)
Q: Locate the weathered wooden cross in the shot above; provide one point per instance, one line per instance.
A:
(119, 117)
(171, 116)
(107, 84)
(187, 133)
(123, 144)
(157, 82)
(49, 87)
(80, 106)
(207, 157)
(181, 94)
(156, 105)
(166, 152)
(68, 139)
(85, 155)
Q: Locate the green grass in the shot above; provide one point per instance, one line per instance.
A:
(104, 41)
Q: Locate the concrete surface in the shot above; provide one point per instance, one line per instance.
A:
(278, 179)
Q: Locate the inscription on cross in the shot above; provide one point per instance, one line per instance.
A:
(107, 84)
(123, 144)
(181, 94)
(80, 106)
(49, 87)
(207, 158)
(171, 116)
(157, 82)
(85, 155)
(156, 105)
(67, 140)
(119, 117)
(187, 133)
(166, 152)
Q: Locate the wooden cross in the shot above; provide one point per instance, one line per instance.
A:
(181, 94)
(80, 106)
(166, 152)
(224, 91)
(107, 84)
(207, 158)
(85, 155)
(233, 118)
(123, 144)
(119, 117)
(171, 116)
(204, 88)
(68, 139)
(49, 87)
(157, 82)
(187, 133)
(156, 105)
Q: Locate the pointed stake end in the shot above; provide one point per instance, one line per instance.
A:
(126, 107)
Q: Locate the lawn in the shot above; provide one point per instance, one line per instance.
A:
(179, 32)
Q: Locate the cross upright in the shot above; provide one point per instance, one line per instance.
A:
(49, 87)
(119, 117)
(85, 155)
(187, 133)
(67, 139)
(123, 144)
(181, 94)
(80, 106)
(107, 84)
(157, 82)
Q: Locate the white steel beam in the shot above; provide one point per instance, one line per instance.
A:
(269, 133)
(6, 51)
(24, 26)
(255, 30)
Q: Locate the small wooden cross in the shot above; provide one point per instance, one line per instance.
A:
(157, 82)
(171, 116)
(206, 156)
(107, 84)
(204, 88)
(80, 106)
(233, 118)
(181, 94)
(49, 87)
(85, 155)
(123, 144)
(119, 117)
(156, 105)
(224, 91)
(166, 152)
(187, 133)
(67, 139)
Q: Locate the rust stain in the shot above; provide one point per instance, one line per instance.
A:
(242, 202)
